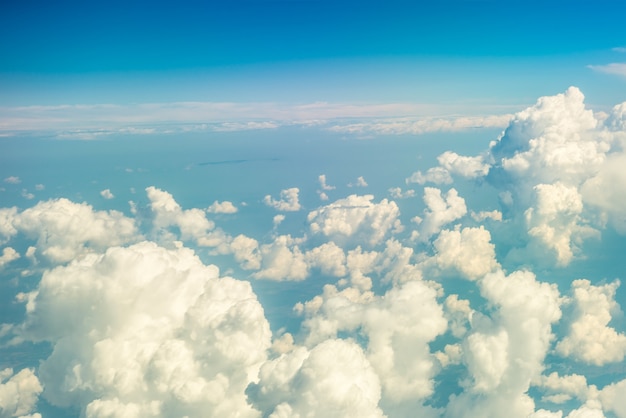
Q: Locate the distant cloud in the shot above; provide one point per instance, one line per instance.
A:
(222, 207)
(360, 182)
(91, 122)
(616, 68)
(39, 187)
(288, 201)
(621, 49)
(12, 180)
(106, 193)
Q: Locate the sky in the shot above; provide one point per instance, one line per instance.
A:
(302, 208)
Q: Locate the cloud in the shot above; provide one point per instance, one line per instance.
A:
(468, 167)
(469, 251)
(332, 379)
(360, 182)
(19, 393)
(288, 201)
(64, 229)
(397, 193)
(440, 210)
(12, 180)
(191, 223)
(590, 338)
(8, 255)
(147, 331)
(397, 328)
(436, 175)
(615, 68)
(355, 217)
(323, 185)
(222, 207)
(106, 193)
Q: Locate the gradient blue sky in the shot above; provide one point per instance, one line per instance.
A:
(303, 51)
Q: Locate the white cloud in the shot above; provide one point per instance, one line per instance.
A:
(436, 175)
(440, 210)
(19, 393)
(323, 185)
(355, 217)
(8, 254)
(106, 193)
(494, 215)
(398, 327)
(554, 219)
(288, 201)
(397, 193)
(191, 223)
(12, 180)
(469, 251)
(222, 207)
(614, 68)
(590, 338)
(333, 379)
(145, 331)
(469, 167)
(39, 187)
(360, 182)
(613, 398)
(64, 229)
(282, 260)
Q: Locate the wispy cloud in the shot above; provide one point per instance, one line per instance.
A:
(615, 68)
(95, 121)
(621, 49)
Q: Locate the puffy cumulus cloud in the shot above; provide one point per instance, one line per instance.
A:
(191, 223)
(554, 140)
(469, 167)
(440, 210)
(494, 215)
(605, 190)
(246, 252)
(8, 254)
(288, 201)
(397, 193)
(333, 379)
(555, 217)
(283, 260)
(146, 331)
(505, 353)
(329, 258)
(436, 175)
(469, 251)
(590, 338)
(564, 388)
(19, 393)
(222, 207)
(613, 398)
(397, 328)
(323, 184)
(355, 217)
(7, 229)
(64, 229)
(106, 193)
(360, 182)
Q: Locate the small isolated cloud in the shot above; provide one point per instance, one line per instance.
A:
(278, 220)
(222, 207)
(615, 68)
(27, 195)
(360, 182)
(12, 180)
(436, 175)
(39, 187)
(397, 193)
(8, 255)
(288, 201)
(621, 49)
(106, 193)
(323, 185)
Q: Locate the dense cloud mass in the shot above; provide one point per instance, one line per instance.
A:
(442, 304)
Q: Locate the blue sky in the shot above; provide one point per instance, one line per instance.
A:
(307, 208)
